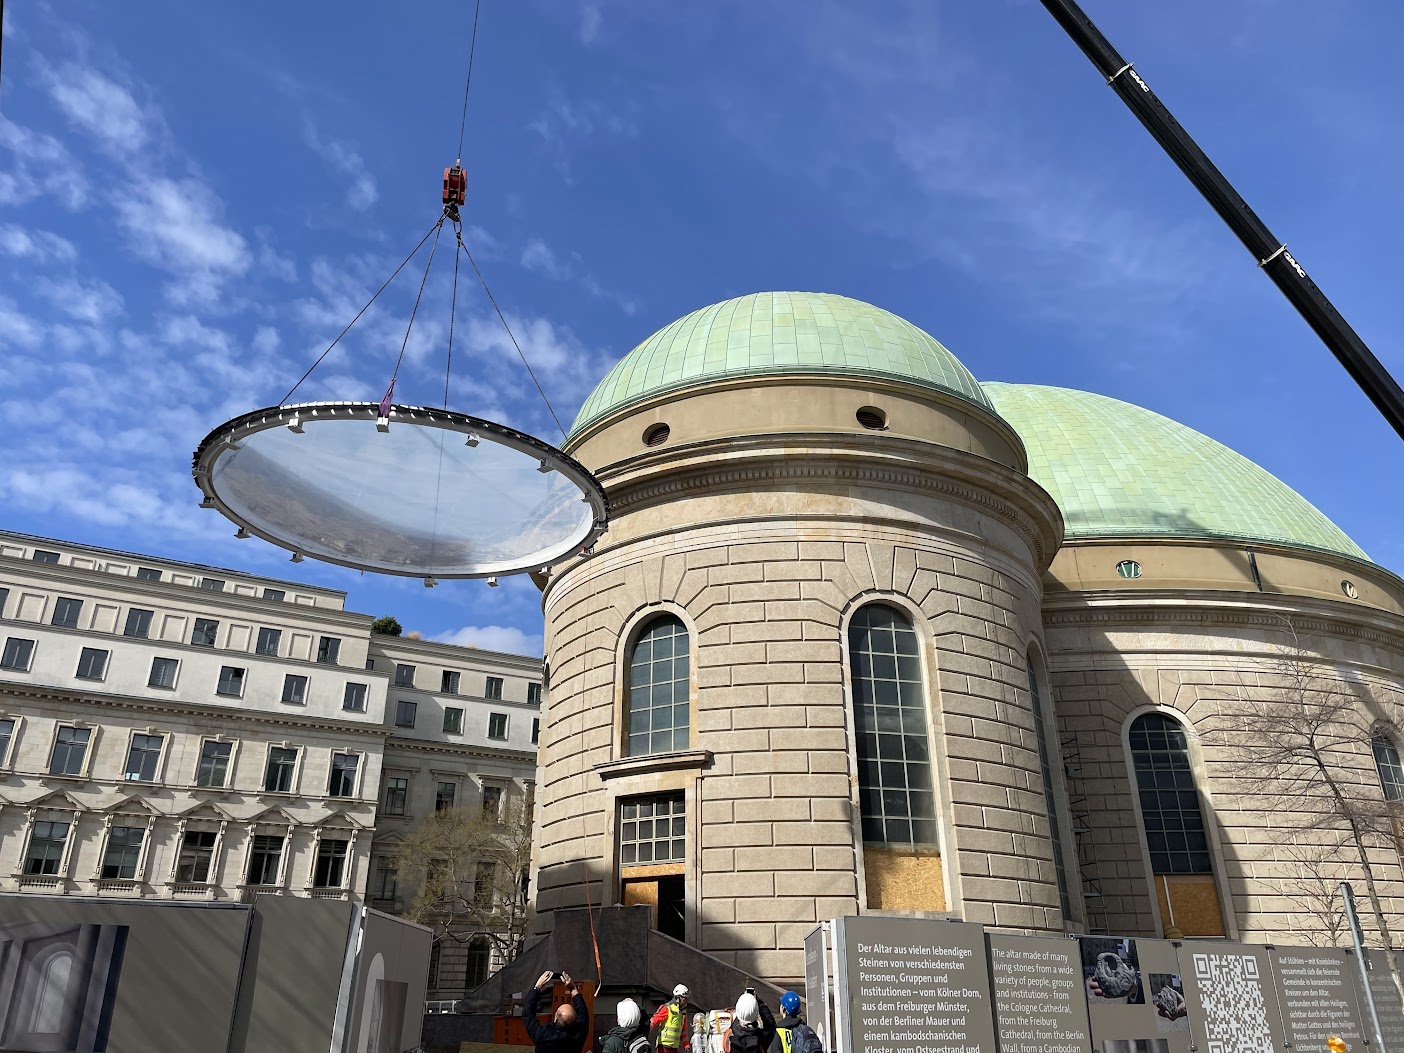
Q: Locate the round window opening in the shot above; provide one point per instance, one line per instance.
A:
(1348, 587)
(1128, 568)
(872, 418)
(656, 434)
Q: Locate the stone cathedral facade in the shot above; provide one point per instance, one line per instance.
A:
(866, 635)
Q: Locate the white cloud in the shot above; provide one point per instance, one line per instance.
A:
(18, 329)
(342, 156)
(42, 165)
(506, 638)
(539, 257)
(94, 302)
(37, 245)
(174, 225)
(590, 20)
(266, 340)
(101, 107)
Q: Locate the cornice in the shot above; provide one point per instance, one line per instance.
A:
(424, 746)
(895, 464)
(45, 693)
(1205, 609)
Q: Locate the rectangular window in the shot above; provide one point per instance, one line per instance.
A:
(4, 599)
(533, 694)
(652, 830)
(396, 794)
(7, 732)
(445, 795)
(450, 682)
(328, 650)
(143, 757)
(148, 574)
(343, 775)
(163, 672)
(43, 555)
(434, 951)
(138, 623)
(17, 654)
(453, 720)
(274, 594)
(203, 635)
(295, 689)
(370, 663)
(92, 663)
(123, 852)
(66, 612)
(70, 750)
(268, 641)
(213, 584)
(355, 698)
(196, 855)
(282, 762)
(497, 726)
(330, 869)
(45, 848)
(385, 884)
(214, 763)
(404, 713)
(265, 852)
(492, 803)
(493, 690)
(231, 681)
(404, 676)
(535, 730)
(483, 875)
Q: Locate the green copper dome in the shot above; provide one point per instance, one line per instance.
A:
(1118, 470)
(765, 334)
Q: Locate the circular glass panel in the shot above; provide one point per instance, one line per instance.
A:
(1348, 587)
(1129, 568)
(428, 493)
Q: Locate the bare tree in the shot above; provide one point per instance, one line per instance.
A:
(470, 870)
(1313, 884)
(1301, 740)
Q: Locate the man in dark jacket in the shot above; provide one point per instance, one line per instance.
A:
(752, 1027)
(567, 1029)
(792, 1034)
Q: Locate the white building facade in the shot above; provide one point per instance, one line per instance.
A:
(169, 730)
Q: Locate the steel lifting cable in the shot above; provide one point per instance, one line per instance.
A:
(438, 229)
(468, 80)
(437, 225)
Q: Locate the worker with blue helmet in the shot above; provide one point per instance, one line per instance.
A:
(792, 1034)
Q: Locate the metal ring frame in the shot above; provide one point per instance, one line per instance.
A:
(229, 435)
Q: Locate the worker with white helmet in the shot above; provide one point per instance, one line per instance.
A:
(631, 1036)
(753, 1026)
(671, 1021)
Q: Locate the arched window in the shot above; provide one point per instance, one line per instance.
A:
(896, 795)
(479, 961)
(1050, 799)
(1177, 836)
(657, 719)
(52, 995)
(1391, 770)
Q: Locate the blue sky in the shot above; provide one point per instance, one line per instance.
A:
(194, 198)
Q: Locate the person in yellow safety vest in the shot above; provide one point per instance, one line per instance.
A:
(671, 1021)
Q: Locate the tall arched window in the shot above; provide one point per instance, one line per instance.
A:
(1387, 763)
(52, 995)
(657, 719)
(1050, 798)
(896, 795)
(1177, 837)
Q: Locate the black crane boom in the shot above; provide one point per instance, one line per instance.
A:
(1281, 266)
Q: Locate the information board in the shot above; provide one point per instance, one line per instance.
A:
(1135, 995)
(914, 985)
(1232, 997)
(1038, 995)
(1316, 988)
(1387, 1004)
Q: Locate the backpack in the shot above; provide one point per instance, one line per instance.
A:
(640, 1044)
(804, 1040)
(743, 1040)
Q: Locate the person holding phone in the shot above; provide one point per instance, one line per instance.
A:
(565, 1031)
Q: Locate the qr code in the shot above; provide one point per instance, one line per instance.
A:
(1231, 994)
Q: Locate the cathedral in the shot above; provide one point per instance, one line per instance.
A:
(869, 636)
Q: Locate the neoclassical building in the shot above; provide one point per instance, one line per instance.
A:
(176, 731)
(868, 635)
